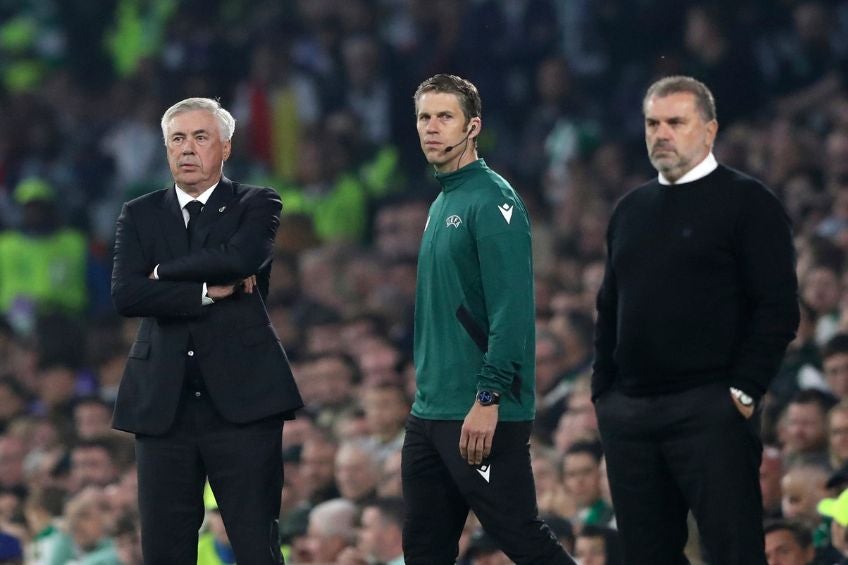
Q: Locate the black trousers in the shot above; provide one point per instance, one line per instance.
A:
(668, 454)
(245, 470)
(439, 487)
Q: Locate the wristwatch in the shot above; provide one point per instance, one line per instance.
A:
(743, 398)
(488, 398)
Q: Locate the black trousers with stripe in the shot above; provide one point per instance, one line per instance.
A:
(670, 453)
(439, 488)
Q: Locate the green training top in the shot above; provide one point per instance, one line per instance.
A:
(474, 304)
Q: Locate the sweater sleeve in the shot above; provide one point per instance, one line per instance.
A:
(506, 271)
(604, 368)
(766, 260)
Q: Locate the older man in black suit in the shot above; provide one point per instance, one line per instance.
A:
(207, 384)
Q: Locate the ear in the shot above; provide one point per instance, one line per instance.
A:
(228, 146)
(712, 131)
(474, 127)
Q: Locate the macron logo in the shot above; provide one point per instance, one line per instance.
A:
(485, 471)
(506, 211)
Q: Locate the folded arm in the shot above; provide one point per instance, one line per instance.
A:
(133, 292)
(247, 252)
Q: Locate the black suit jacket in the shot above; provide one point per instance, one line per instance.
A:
(244, 366)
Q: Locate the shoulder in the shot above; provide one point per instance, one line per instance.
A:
(636, 195)
(251, 190)
(255, 194)
(751, 189)
(150, 199)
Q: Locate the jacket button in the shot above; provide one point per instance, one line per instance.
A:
(191, 353)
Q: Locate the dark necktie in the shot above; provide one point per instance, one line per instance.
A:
(194, 208)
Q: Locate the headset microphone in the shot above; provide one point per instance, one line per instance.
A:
(449, 148)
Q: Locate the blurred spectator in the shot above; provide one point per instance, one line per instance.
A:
(317, 467)
(788, 543)
(484, 550)
(579, 421)
(43, 264)
(582, 477)
(357, 472)
(380, 532)
(834, 356)
(837, 510)
(92, 418)
(821, 289)
(332, 528)
(837, 434)
(93, 464)
(806, 426)
(771, 473)
(386, 408)
(390, 479)
(598, 545)
(803, 487)
(85, 536)
(128, 539)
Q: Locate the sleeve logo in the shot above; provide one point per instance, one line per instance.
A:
(453, 221)
(506, 211)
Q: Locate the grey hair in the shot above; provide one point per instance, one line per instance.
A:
(226, 122)
(336, 517)
(704, 100)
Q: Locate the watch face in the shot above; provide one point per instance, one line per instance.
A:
(484, 397)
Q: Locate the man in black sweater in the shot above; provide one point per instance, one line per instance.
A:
(698, 304)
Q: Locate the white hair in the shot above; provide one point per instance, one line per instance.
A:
(226, 121)
(335, 517)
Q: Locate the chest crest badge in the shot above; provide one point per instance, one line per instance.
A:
(453, 221)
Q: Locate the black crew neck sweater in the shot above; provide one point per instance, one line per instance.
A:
(699, 287)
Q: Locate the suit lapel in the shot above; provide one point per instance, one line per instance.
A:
(173, 224)
(215, 208)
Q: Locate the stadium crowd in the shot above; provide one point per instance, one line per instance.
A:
(322, 94)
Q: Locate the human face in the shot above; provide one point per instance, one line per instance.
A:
(590, 550)
(783, 549)
(838, 436)
(442, 124)
(582, 478)
(836, 374)
(677, 136)
(196, 150)
(356, 473)
(805, 428)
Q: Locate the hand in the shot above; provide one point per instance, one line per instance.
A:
(746, 411)
(219, 292)
(249, 284)
(478, 430)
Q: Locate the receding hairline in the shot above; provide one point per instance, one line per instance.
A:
(702, 97)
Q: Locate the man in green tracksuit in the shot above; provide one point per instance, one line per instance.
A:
(467, 440)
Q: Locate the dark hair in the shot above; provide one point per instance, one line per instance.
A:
(465, 91)
(704, 100)
(391, 509)
(824, 400)
(592, 448)
(800, 532)
(612, 543)
(835, 345)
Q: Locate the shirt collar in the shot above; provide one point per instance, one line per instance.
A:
(454, 179)
(184, 197)
(699, 171)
